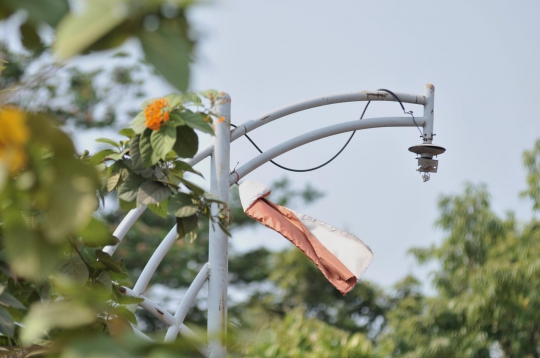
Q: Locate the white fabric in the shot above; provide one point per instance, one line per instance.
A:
(250, 191)
(348, 249)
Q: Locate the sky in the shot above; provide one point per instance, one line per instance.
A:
(480, 56)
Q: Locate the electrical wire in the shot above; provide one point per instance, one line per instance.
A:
(402, 107)
(314, 168)
(346, 143)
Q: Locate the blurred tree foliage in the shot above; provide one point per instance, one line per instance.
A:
(160, 26)
(487, 286)
(73, 96)
(297, 336)
(60, 293)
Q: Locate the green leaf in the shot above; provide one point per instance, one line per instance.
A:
(211, 94)
(7, 326)
(181, 205)
(30, 38)
(125, 205)
(128, 300)
(28, 255)
(175, 100)
(152, 192)
(109, 262)
(104, 279)
(48, 11)
(124, 276)
(8, 300)
(187, 227)
(183, 166)
(224, 229)
(118, 156)
(56, 314)
(97, 234)
(127, 132)
(96, 345)
(163, 140)
(146, 102)
(108, 141)
(135, 153)
(112, 181)
(123, 312)
(160, 209)
(139, 123)
(168, 50)
(193, 187)
(193, 97)
(176, 120)
(187, 142)
(74, 268)
(99, 156)
(78, 30)
(148, 156)
(196, 121)
(130, 187)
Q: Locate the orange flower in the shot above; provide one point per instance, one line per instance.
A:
(157, 113)
(221, 119)
(14, 135)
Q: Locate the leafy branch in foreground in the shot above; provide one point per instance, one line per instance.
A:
(56, 282)
(148, 167)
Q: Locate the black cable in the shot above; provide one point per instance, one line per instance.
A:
(315, 168)
(402, 107)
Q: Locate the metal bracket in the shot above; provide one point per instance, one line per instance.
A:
(427, 165)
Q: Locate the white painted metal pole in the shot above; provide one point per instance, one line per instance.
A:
(164, 316)
(323, 101)
(187, 302)
(124, 226)
(429, 94)
(155, 260)
(218, 240)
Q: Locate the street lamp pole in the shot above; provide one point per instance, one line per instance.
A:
(218, 248)
(221, 179)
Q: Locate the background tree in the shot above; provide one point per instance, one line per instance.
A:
(487, 285)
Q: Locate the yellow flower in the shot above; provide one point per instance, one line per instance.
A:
(14, 135)
(157, 113)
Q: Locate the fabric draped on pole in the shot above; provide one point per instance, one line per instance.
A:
(341, 257)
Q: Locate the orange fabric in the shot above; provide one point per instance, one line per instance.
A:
(282, 220)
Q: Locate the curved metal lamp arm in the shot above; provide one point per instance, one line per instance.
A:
(319, 134)
(266, 118)
(322, 101)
